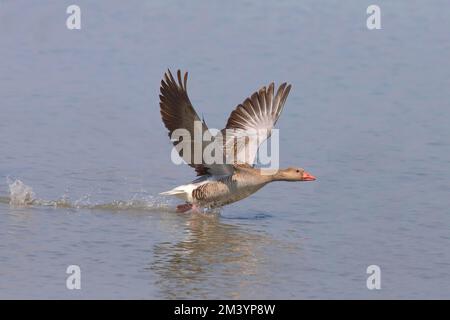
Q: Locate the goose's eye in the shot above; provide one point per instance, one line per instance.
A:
(298, 171)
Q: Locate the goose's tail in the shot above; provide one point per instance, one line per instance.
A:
(183, 192)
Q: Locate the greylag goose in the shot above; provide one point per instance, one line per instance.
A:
(223, 182)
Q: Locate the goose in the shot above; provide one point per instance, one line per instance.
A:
(225, 182)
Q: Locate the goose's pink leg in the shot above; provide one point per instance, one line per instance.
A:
(196, 209)
(182, 208)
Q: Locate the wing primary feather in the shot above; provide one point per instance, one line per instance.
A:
(185, 81)
(259, 112)
(177, 112)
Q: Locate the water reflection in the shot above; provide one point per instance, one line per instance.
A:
(205, 263)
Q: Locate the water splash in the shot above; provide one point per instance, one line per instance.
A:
(20, 194)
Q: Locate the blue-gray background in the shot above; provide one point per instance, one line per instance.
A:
(368, 115)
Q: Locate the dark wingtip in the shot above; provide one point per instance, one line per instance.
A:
(169, 76)
(182, 80)
(185, 80)
(288, 88)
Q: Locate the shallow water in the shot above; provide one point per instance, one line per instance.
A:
(368, 115)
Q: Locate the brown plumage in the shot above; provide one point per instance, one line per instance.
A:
(260, 103)
(177, 112)
(249, 125)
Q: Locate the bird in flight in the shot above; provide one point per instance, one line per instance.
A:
(235, 177)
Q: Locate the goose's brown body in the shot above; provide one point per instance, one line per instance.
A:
(222, 184)
(225, 190)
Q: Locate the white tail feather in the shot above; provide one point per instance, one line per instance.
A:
(183, 192)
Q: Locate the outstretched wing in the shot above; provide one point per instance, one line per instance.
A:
(251, 123)
(178, 113)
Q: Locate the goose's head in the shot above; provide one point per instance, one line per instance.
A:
(294, 174)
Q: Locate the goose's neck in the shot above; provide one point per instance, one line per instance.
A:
(278, 176)
(267, 177)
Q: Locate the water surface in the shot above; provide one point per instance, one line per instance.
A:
(368, 115)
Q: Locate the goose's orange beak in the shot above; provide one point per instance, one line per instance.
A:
(308, 177)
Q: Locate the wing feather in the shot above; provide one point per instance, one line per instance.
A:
(177, 112)
(251, 123)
